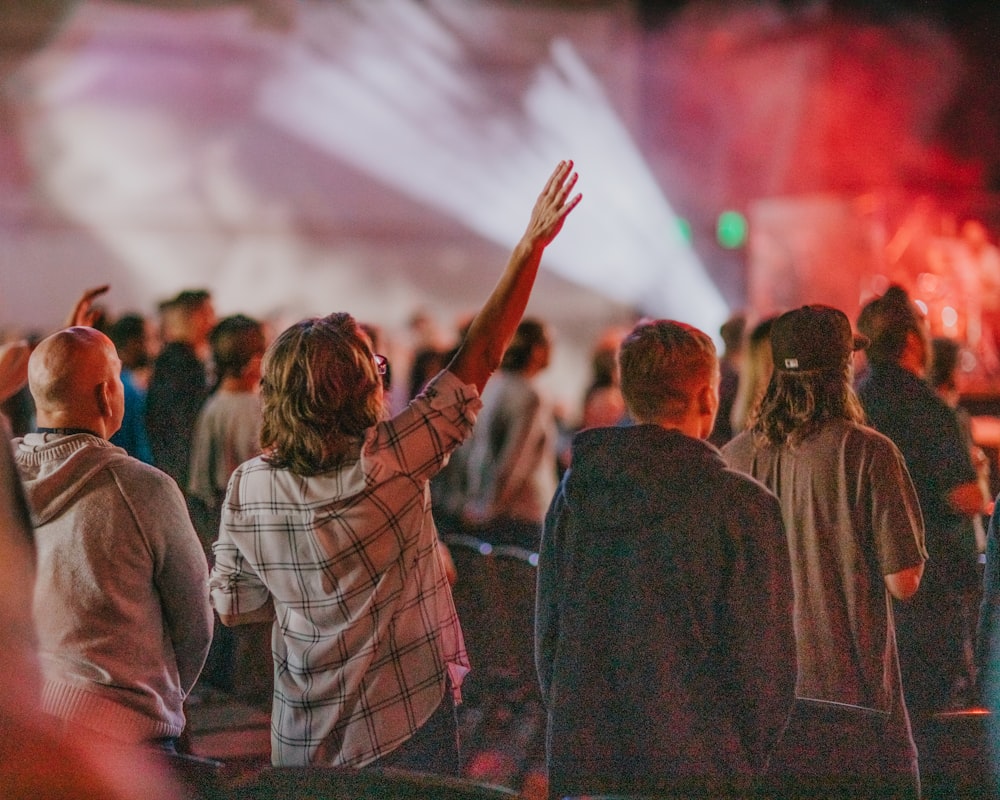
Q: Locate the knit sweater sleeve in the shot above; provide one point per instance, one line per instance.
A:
(180, 571)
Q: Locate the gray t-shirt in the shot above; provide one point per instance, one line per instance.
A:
(851, 516)
(226, 434)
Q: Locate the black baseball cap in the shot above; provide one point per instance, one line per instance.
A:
(813, 337)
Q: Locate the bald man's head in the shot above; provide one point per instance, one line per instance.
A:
(74, 378)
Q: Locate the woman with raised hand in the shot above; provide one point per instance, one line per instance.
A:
(330, 531)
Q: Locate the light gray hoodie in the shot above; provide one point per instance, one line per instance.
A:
(121, 598)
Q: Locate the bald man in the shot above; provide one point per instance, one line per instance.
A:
(121, 599)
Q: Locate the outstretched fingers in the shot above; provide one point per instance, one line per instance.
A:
(567, 186)
(554, 203)
(558, 177)
(560, 183)
(569, 205)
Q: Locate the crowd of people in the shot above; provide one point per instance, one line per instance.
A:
(749, 574)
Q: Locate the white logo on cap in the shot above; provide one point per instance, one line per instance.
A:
(791, 363)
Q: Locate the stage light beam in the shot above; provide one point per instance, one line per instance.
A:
(408, 113)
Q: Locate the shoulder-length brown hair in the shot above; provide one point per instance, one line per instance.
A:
(796, 405)
(319, 390)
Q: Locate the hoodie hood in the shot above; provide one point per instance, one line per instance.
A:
(644, 463)
(55, 469)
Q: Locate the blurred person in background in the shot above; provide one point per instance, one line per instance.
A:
(900, 403)
(180, 382)
(942, 374)
(733, 333)
(512, 466)
(755, 374)
(136, 346)
(226, 434)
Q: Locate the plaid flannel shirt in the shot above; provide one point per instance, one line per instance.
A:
(366, 629)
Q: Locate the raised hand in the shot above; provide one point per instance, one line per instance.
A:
(83, 312)
(552, 206)
(493, 327)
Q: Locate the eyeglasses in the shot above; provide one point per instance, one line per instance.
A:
(381, 363)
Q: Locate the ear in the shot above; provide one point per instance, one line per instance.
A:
(102, 394)
(706, 403)
(708, 400)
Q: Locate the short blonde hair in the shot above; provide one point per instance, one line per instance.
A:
(319, 389)
(663, 364)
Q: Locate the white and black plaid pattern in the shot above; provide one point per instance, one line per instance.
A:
(367, 629)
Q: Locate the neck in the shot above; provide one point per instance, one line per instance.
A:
(238, 384)
(68, 431)
(691, 424)
(66, 426)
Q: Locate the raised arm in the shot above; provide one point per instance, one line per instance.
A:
(493, 327)
(83, 312)
(13, 367)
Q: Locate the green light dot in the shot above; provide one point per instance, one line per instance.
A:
(684, 227)
(731, 230)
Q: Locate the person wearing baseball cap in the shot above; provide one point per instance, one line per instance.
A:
(855, 537)
(813, 338)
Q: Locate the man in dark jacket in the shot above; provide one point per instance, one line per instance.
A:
(180, 382)
(901, 404)
(664, 641)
